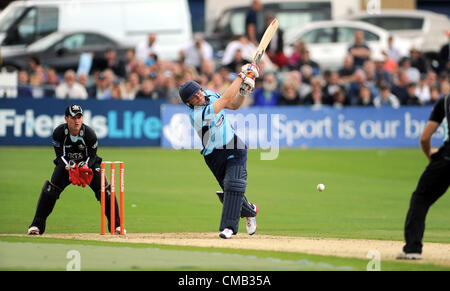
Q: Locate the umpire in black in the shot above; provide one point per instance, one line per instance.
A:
(75, 145)
(433, 183)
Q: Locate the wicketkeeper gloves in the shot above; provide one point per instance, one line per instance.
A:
(80, 175)
(85, 174)
(72, 168)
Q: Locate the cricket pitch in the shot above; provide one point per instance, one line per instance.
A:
(433, 253)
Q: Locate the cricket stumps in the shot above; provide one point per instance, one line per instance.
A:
(113, 194)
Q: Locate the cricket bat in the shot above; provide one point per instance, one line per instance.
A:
(265, 40)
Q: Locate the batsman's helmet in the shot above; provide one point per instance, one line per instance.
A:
(187, 90)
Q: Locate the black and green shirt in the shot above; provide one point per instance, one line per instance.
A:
(70, 148)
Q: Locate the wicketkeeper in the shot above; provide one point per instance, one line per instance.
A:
(76, 163)
(223, 151)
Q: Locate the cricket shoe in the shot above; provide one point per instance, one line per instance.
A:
(118, 230)
(251, 224)
(408, 256)
(33, 231)
(226, 233)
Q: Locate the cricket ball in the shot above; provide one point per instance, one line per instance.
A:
(320, 187)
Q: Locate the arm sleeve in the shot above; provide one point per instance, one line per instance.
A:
(91, 146)
(438, 112)
(58, 146)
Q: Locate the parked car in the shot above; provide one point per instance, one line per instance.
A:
(328, 41)
(425, 28)
(62, 50)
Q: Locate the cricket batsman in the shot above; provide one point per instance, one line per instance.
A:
(76, 162)
(223, 151)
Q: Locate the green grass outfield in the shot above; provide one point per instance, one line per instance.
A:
(366, 197)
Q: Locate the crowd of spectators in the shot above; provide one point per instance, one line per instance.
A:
(296, 79)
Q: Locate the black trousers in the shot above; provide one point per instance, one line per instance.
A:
(60, 178)
(433, 183)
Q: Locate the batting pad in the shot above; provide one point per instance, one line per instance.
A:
(231, 211)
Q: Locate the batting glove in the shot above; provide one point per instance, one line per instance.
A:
(248, 74)
(247, 86)
(250, 70)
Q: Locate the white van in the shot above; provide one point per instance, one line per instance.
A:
(130, 21)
